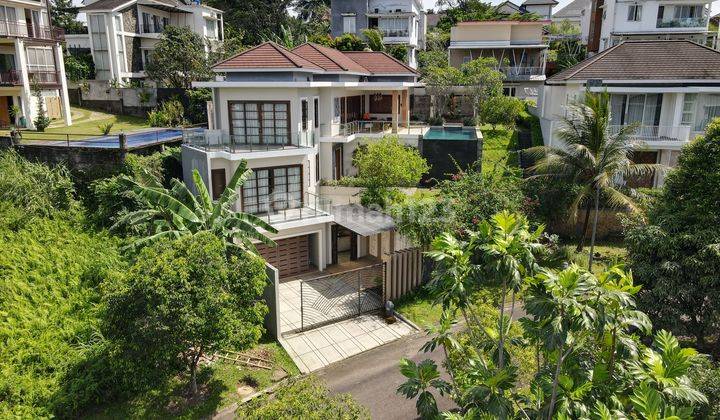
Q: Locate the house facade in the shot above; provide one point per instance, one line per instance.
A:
(296, 117)
(518, 47)
(542, 8)
(402, 22)
(668, 90)
(572, 12)
(123, 34)
(606, 23)
(31, 56)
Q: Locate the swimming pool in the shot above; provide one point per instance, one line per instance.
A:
(450, 133)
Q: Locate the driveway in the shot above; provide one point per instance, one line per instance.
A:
(373, 376)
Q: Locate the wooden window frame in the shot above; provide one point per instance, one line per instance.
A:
(271, 185)
(259, 104)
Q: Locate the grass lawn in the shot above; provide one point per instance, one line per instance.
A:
(498, 145)
(219, 383)
(610, 252)
(86, 124)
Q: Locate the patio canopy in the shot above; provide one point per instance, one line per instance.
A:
(362, 220)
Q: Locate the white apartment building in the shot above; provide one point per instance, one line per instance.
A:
(402, 22)
(123, 34)
(518, 46)
(607, 22)
(31, 55)
(669, 90)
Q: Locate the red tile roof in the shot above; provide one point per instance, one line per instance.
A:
(328, 58)
(379, 62)
(314, 57)
(267, 55)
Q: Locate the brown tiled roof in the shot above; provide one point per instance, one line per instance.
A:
(647, 60)
(267, 55)
(379, 62)
(329, 59)
(309, 56)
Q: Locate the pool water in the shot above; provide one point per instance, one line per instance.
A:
(450, 133)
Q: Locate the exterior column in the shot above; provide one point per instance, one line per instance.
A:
(25, 93)
(395, 112)
(678, 109)
(405, 108)
(60, 63)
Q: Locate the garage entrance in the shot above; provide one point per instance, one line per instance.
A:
(291, 256)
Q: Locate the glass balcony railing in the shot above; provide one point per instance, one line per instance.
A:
(218, 140)
(522, 71)
(699, 22)
(655, 132)
(10, 78)
(311, 206)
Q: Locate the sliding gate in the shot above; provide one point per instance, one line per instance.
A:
(339, 296)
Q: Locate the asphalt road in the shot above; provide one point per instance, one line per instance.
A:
(373, 377)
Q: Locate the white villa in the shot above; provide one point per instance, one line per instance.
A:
(606, 23)
(518, 47)
(30, 53)
(123, 33)
(296, 117)
(669, 89)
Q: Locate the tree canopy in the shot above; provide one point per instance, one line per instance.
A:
(179, 58)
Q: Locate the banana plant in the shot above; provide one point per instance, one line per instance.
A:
(176, 212)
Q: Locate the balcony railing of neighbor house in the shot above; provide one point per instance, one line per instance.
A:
(23, 30)
(44, 77)
(522, 71)
(395, 33)
(219, 140)
(282, 210)
(11, 77)
(656, 132)
(695, 22)
(151, 28)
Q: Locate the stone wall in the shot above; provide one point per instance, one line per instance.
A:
(130, 19)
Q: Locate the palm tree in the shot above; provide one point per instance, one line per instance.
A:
(374, 39)
(593, 158)
(175, 212)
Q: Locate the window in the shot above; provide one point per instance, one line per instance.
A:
(316, 112)
(7, 62)
(634, 13)
(304, 113)
(260, 122)
(641, 109)
(336, 110)
(273, 189)
(317, 168)
(349, 24)
(146, 56)
(8, 19)
(394, 27)
(689, 12)
(688, 111)
(120, 43)
(509, 91)
(210, 28)
(101, 54)
(40, 59)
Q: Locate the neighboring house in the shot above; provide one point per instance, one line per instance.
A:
(432, 19)
(297, 117)
(123, 33)
(402, 22)
(572, 12)
(508, 8)
(31, 54)
(517, 45)
(607, 23)
(669, 89)
(542, 8)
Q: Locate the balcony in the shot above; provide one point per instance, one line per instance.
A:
(699, 22)
(222, 141)
(23, 30)
(394, 33)
(653, 133)
(151, 28)
(11, 78)
(519, 72)
(281, 211)
(50, 77)
(375, 128)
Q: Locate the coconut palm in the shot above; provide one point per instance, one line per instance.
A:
(593, 158)
(175, 212)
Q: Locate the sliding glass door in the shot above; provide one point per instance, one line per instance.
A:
(273, 189)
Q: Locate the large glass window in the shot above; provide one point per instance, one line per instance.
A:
(260, 122)
(634, 13)
(349, 24)
(688, 111)
(40, 59)
(98, 36)
(273, 189)
(641, 109)
(394, 27)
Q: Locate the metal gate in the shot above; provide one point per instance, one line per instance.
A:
(338, 296)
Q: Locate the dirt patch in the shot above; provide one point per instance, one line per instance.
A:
(179, 403)
(244, 390)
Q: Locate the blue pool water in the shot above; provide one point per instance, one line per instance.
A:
(136, 139)
(450, 133)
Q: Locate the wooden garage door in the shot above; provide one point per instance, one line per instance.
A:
(291, 256)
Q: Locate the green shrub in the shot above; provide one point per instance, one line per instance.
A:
(170, 114)
(51, 274)
(304, 399)
(105, 128)
(705, 377)
(38, 189)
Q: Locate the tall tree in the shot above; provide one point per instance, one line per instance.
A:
(179, 58)
(482, 81)
(591, 157)
(64, 15)
(257, 18)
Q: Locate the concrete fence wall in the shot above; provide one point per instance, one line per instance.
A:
(137, 101)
